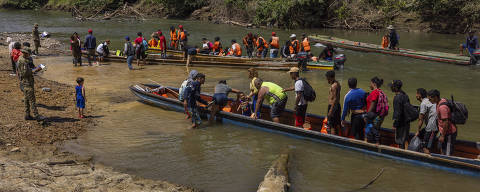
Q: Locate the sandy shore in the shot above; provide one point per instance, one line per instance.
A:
(30, 155)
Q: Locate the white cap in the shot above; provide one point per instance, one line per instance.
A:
(293, 35)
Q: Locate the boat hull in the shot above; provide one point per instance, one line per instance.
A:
(455, 164)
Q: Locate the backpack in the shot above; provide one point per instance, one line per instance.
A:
(130, 50)
(382, 105)
(308, 92)
(181, 90)
(144, 45)
(458, 111)
(411, 112)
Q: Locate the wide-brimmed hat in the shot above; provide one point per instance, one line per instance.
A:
(293, 35)
(390, 27)
(294, 70)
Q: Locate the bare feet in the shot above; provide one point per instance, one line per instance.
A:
(193, 126)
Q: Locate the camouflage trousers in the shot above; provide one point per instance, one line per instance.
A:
(36, 45)
(29, 100)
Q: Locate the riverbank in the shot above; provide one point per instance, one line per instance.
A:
(407, 15)
(31, 155)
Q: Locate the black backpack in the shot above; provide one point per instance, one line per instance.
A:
(411, 112)
(458, 111)
(308, 92)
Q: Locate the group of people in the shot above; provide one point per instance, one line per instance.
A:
(391, 39)
(95, 53)
(367, 110)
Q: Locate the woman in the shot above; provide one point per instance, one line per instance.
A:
(253, 74)
(76, 49)
(377, 103)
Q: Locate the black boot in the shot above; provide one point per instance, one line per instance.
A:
(28, 117)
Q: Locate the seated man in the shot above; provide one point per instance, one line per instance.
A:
(274, 95)
(328, 53)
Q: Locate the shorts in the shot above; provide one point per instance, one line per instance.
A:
(401, 134)
(81, 103)
(36, 43)
(141, 54)
(195, 115)
(220, 99)
(334, 120)
(91, 52)
(278, 108)
(300, 114)
(100, 55)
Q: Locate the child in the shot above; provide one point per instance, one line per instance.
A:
(193, 97)
(385, 41)
(244, 105)
(80, 95)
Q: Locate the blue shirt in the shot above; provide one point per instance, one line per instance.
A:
(78, 92)
(354, 100)
(472, 43)
(90, 42)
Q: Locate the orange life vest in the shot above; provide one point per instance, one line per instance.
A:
(306, 45)
(182, 35)
(296, 49)
(265, 44)
(152, 43)
(275, 43)
(385, 42)
(173, 35)
(238, 50)
(217, 46)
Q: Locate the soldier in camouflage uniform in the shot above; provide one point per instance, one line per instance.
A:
(26, 80)
(36, 38)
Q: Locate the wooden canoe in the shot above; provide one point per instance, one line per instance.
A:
(465, 160)
(367, 47)
(263, 65)
(207, 57)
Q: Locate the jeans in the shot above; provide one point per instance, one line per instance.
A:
(273, 53)
(264, 53)
(129, 61)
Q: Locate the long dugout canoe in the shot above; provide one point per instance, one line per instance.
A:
(367, 47)
(465, 160)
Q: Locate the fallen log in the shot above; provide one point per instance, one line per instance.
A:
(276, 179)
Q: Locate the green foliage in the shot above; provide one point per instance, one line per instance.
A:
(239, 4)
(288, 13)
(179, 8)
(23, 4)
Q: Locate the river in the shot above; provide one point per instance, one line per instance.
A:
(154, 143)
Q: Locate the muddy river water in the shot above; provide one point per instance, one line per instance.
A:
(154, 143)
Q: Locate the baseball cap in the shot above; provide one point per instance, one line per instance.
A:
(90, 31)
(273, 33)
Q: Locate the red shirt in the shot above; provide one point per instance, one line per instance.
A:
(162, 42)
(16, 54)
(139, 40)
(443, 112)
(373, 96)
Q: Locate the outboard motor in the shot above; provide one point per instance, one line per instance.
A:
(475, 57)
(339, 61)
(302, 58)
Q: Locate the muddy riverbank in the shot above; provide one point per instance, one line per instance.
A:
(31, 153)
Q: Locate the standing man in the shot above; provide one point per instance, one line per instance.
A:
(90, 45)
(274, 95)
(140, 49)
(470, 44)
(354, 102)
(428, 115)
(182, 37)
(294, 45)
(25, 74)
(334, 109)
(262, 47)
(248, 42)
(194, 95)
(393, 37)
(162, 44)
(400, 123)
(36, 38)
(274, 45)
(300, 102)
(305, 44)
(173, 38)
(129, 52)
(447, 129)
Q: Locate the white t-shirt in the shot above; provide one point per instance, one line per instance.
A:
(233, 47)
(10, 47)
(299, 88)
(100, 48)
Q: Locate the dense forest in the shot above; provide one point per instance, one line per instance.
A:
(444, 16)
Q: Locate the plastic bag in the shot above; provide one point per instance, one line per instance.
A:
(415, 144)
